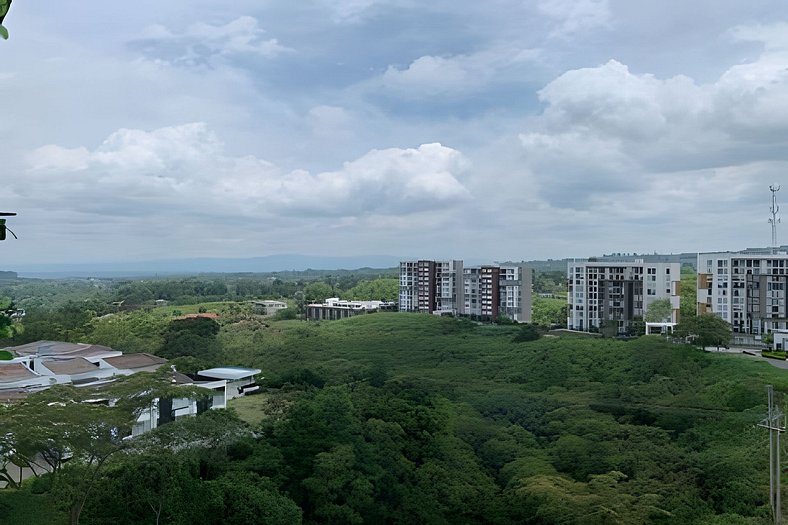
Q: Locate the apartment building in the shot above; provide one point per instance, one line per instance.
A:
(618, 292)
(747, 289)
(430, 286)
(479, 292)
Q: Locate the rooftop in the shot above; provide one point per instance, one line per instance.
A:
(70, 366)
(14, 372)
(133, 361)
(229, 372)
(57, 348)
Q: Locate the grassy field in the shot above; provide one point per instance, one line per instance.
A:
(449, 351)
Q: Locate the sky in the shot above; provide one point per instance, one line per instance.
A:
(490, 130)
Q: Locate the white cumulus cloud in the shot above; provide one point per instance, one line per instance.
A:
(606, 132)
(451, 75)
(183, 170)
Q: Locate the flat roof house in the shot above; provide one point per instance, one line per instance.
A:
(240, 380)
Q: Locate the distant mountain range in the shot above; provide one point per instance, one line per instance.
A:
(271, 263)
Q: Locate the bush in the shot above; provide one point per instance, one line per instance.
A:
(286, 314)
(527, 333)
(303, 377)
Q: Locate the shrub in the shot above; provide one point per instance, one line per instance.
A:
(528, 332)
(286, 314)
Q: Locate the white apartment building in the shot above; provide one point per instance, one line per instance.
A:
(618, 292)
(430, 286)
(748, 290)
(479, 292)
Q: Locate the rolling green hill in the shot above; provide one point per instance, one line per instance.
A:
(405, 418)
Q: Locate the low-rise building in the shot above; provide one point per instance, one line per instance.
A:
(269, 307)
(335, 308)
(239, 380)
(37, 366)
(40, 365)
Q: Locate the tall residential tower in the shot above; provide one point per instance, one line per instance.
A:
(602, 292)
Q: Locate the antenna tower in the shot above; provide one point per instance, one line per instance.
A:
(775, 423)
(775, 220)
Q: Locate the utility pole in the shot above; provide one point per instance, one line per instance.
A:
(775, 423)
(775, 219)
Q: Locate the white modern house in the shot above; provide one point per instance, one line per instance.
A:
(165, 410)
(269, 307)
(239, 381)
(40, 365)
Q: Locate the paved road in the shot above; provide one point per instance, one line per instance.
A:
(747, 352)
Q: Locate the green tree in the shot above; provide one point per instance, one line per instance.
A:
(659, 311)
(549, 312)
(375, 290)
(4, 6)
(637, 327)
(8, 328)
(339, 495)
(195, 337)
(550, 282)
(60, 423)
(317, 292)
(248, 499)
(689, 295)
(704, 330)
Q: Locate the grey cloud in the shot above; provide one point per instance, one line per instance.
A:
(203, 44)
(572, 16)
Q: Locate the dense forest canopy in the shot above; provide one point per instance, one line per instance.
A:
(405, 418)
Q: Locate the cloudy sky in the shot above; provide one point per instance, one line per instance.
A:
(497, 130)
